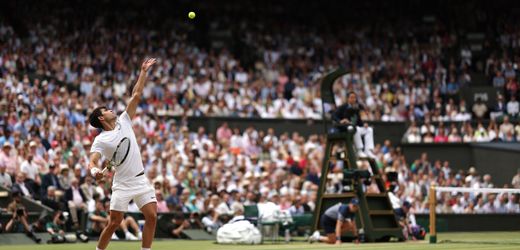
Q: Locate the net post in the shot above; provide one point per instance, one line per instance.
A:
(433, 201)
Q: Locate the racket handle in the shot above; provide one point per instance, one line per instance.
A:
(104, 171)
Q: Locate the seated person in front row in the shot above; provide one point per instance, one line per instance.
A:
(336, 220)
(348, 114)
(99, 220)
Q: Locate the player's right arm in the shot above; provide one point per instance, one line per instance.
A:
(93, 166)
(137, 92)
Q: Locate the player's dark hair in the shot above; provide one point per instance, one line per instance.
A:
(350, 93)
(94, 117)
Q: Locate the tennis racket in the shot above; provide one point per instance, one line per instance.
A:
(119, 156)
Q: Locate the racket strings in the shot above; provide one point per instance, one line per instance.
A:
(121, 152)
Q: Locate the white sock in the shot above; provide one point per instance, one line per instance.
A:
(97, 248)
(142, 248)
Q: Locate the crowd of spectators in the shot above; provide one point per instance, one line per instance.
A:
(413, 184)
(401, 72)
(506, 131)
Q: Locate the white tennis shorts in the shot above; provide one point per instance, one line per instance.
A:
(121, 198)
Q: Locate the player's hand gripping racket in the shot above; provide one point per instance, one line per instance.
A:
(119, 156)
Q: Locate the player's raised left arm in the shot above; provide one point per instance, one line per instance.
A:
(139, 86)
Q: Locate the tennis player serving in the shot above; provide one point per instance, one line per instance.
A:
(117, 143)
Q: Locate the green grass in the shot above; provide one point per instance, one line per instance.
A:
(473, 241)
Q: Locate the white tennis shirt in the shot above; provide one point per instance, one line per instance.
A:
(105, 144)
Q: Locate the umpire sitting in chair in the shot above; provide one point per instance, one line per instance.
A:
(349, 114)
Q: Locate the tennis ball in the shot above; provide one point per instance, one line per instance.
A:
(191, 15)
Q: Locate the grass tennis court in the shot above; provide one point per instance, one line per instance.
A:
(480, 240)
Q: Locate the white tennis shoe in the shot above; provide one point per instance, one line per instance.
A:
(315, 237)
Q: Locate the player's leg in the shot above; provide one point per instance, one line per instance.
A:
(147, 203)
(369, 142)
(150, 216)
(329, 239)
(358, 142)
(329, 226)
(114, 223)
(74, 214)
(118, 206)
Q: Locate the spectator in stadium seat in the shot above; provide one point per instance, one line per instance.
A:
(492, 130)
(5, 178)
(349, 113)
(77, 173)
(297, 207)
(35, 151)
(184, 201)
(50, 199)
(454, 136)
(481, 133)
(516, 179)
(162, 207)
(88, 188)
(489, 206)
(500, 204)
(412, 135)
(76, 201)
(250, 197)
(512, 87)
(50, 179)
(173, 201)
(211, 221)
(487, 182)
(467, 132)
(223, 208)
(479, 109)
(458, 207)
(428, 137)
(21, 187)
(513, 107)
(224, 132)
(99, 220)
(8, 158)
(512, 205)
(441, 137)
(470, 209)
(64, 177)
(427, 127)
(506, 127)
(471, 178)
(306, 203)
(499, 109)
(498, 80)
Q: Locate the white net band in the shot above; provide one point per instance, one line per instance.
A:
(478, 190)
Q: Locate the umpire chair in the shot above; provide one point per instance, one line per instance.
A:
(376, 215)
